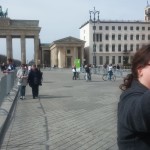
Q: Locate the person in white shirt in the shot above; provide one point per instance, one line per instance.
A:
(22, 76)
(110, 71)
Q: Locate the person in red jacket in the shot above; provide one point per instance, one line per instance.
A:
(134, 105)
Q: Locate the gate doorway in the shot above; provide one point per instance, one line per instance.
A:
(69, 65)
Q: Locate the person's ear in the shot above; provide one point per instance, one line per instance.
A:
(140, 72)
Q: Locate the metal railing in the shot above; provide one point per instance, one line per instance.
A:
(7, 82)
(101, 70)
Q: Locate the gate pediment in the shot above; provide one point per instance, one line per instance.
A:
(69, 40)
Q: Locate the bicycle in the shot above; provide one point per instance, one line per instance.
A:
(105, 77)
(87, 77)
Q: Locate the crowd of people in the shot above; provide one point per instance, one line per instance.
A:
(26, 75)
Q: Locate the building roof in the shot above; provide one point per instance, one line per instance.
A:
(68, 40)
(116, 21)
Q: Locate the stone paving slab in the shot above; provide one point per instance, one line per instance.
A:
(69, 115)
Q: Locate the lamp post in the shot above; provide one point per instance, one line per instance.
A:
(94, 20)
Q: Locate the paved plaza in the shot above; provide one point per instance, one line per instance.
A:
(69, 115)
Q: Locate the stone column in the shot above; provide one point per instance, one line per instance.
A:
(74, 54)
(59, 58)
(9, 46)
(82, 55)
(36, 50)
(23, 50)
(56, 57)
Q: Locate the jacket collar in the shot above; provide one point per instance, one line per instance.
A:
(136, 84)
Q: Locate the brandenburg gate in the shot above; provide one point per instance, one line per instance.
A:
(22, 29)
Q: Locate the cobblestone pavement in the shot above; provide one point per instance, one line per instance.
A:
(69, 115)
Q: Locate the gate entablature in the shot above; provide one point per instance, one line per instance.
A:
(20, 29)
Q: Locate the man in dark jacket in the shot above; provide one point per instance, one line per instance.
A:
(34, 79)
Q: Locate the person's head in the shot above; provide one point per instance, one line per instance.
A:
(33, 66)
(22, 66)
(9, 61)
(140, 68)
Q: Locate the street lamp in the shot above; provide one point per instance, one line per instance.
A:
(94, 20)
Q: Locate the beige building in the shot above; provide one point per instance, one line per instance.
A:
(63, 52)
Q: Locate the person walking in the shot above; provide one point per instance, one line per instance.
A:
(74, 73)
(22, 75)
(3, 67)
(34, 79)
(110, 71)
(134, 106)
(88, 72)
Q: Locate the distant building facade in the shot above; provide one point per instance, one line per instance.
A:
(65, 51)
(62, 53)
(115, 41)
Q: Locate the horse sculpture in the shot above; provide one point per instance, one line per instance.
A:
(3, 14)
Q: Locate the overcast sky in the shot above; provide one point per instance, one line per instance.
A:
(62, 18)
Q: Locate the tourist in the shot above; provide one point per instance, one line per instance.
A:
(22, 75)
(74, 73)
(34, 79)
(134, 105)
(10, 66)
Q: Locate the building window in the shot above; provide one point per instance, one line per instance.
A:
(119, 37)
(113, 36)
(125, 47)
(100, 28)
(119, 48)
(113, 59)
(101, 47)
(100, 36)
(131, 47)
(137, 28)
(107, 59)
(125, 27)
(94, 27)
(137, 47)
(131, 28)
(97, 37)
(94, 47)
(119, 59)
(125, 37)
(107, 37)
(137, 37)
(131, 37)
(107, 28)
(143, 28)
(143, 37)
(101, 60)
(149, 37)
(107, 48)
(113, 48)
(119, 27)
(68, 51)
(113, 27)
(148, 28)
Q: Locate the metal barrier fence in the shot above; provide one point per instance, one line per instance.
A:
(6, 84)
(101, 71)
